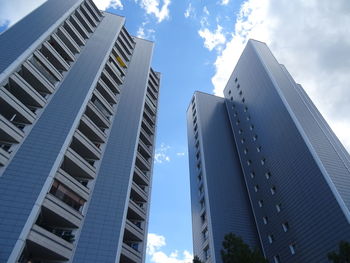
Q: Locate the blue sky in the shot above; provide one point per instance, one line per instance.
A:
(197, 45)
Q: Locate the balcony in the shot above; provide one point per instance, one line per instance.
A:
(73, 32)
(84, 21)
(60, 213)
(84, 147)
(24, 92)
(35, 79)
(142, 163)
(133, 232)
(61, 48)
(54, 57)
(68, 40)
(136, 210)
(78, 26)
(102, 104)
(44, 246)
(137, 193)
(121, 65)
(100, 120)
(145, 150)
(124, 46)
(145, 137)
(105, 76)
(149, 129)
(76, 186)
(150, 119)
(91, 131)
(76, 166)
(113, 73)
(44, 66)
(88, 15)
(9, 132)
(140, 177)
(106, 92)
(92, 11)
(4, 157)
(130, 255)
(14, 110)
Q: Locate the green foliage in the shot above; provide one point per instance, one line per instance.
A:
(196, 260)
(344, 253)
(236, 251)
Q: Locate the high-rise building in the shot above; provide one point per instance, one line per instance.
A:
(265, 154)
(77, 124)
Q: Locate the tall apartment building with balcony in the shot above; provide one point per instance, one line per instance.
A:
(265, 148)
(78, 116)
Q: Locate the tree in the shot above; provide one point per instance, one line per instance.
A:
(344, 253)
(236, 251)
(196, 260)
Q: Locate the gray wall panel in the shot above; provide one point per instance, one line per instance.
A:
(99, 239)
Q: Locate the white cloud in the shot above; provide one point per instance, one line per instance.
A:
(212, 39)
(156, 242)
(205, 10)
(105, 4)
(190, 11)
(311, 38)
(180, 154)
(154, 7)
(161, 154)
(224, 2)
(14, 10)
(145, 33)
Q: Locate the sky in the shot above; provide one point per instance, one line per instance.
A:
(197, 45)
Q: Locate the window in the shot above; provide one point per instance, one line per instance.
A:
(199, 177)
(233, 106)
(252, 175)
(229, 92)
(292, 248)
(251, 127)
(278, 208)
(242, 140)
(198, 165)
(249, 162)
(205, 234)
(206, 253)
(265, 220)
(261, 203)
(267, 175)
(243, 100)
(194, 113)
(245, 151)
(238, 122)
(195, 127)
(197, 144)
(276, 259)
(235, 114)
(255, 137)
(236, 79)
(238, 86)
(258, 149)
(248, 118)
(201, 190)
(263, 161)
(202, 202)
(240, 93)
(196, 136)
(198, 155)
(231, 98)
(270, 238)
(240, 131)
(245, 109)
(285, 226)
(256, 188)
(273, 190)
(195, 120)
(203, 217)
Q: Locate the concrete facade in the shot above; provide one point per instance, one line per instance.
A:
(74, 185)
(296, 171)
